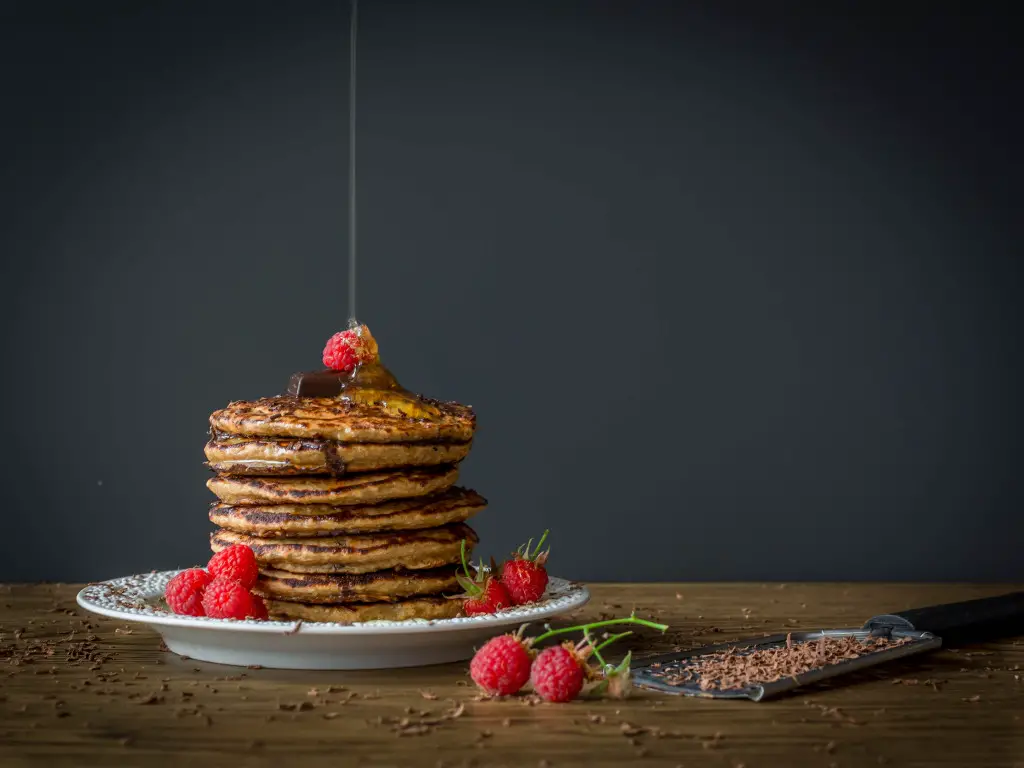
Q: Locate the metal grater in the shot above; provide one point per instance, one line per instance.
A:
(970, 621)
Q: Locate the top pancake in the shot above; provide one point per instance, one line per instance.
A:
(331, 418)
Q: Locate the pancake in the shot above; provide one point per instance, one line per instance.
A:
(455, 505)
(331, 418)
(236, 455)
(361, 553)
(379, 586)
(403, 610)
(366, 488)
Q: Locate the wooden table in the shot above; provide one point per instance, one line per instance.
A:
(90, 691)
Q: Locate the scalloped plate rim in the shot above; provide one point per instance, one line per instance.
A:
(568, 596)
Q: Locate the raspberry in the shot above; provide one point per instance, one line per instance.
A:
(347, 349)
(525, 580)
(227, 599)
(525, 575)
(259, 609)
(502, 666)
(483, 594)
(184, 593)
(236, 562)
(557, 674)
(338, 353)
(493, 598)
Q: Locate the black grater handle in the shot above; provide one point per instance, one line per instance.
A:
(970, 621)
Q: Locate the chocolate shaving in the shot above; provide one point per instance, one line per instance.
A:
(426, 722)
(411, 729)
(628, 729)
(302, 706)
(738, 668)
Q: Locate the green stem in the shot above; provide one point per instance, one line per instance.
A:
(594, 648)
(597, 624)
(467, 582)
(539, 545)
(608, 641)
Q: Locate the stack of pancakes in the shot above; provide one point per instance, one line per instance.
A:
(351, 507)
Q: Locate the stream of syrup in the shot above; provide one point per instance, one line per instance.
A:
(353, 33)
(368, 382)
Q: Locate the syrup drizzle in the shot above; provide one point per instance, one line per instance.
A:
(353, 29)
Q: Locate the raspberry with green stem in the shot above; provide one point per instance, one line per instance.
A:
(560, 671)
(525, 574)
(614, 680)
(483, 594)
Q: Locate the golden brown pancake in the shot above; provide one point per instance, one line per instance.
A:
(379, 586)
(366, 488)
(332, 418)
(455, 505)
(357, 553)
(235, 455)
(403, 610)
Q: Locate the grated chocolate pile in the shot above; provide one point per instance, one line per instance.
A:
(736, 668)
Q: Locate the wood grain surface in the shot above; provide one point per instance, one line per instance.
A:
(81, 690)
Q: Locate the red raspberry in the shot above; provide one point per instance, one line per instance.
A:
(484, 593)
(236, 562)
(339, 354)
(557, 674)
(259, 609)
(502, 666)
(525, 580)
(184, 593)
(347, 349)
(227, 599)
(525, 575)
(493, 598)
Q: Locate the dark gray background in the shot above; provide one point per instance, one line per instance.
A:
(733, 288)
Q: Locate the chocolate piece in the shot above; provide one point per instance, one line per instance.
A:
(330, 383)
(326, 383)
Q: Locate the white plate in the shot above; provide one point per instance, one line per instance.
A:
(321, 645)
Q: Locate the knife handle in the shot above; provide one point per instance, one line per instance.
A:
(970, 621)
